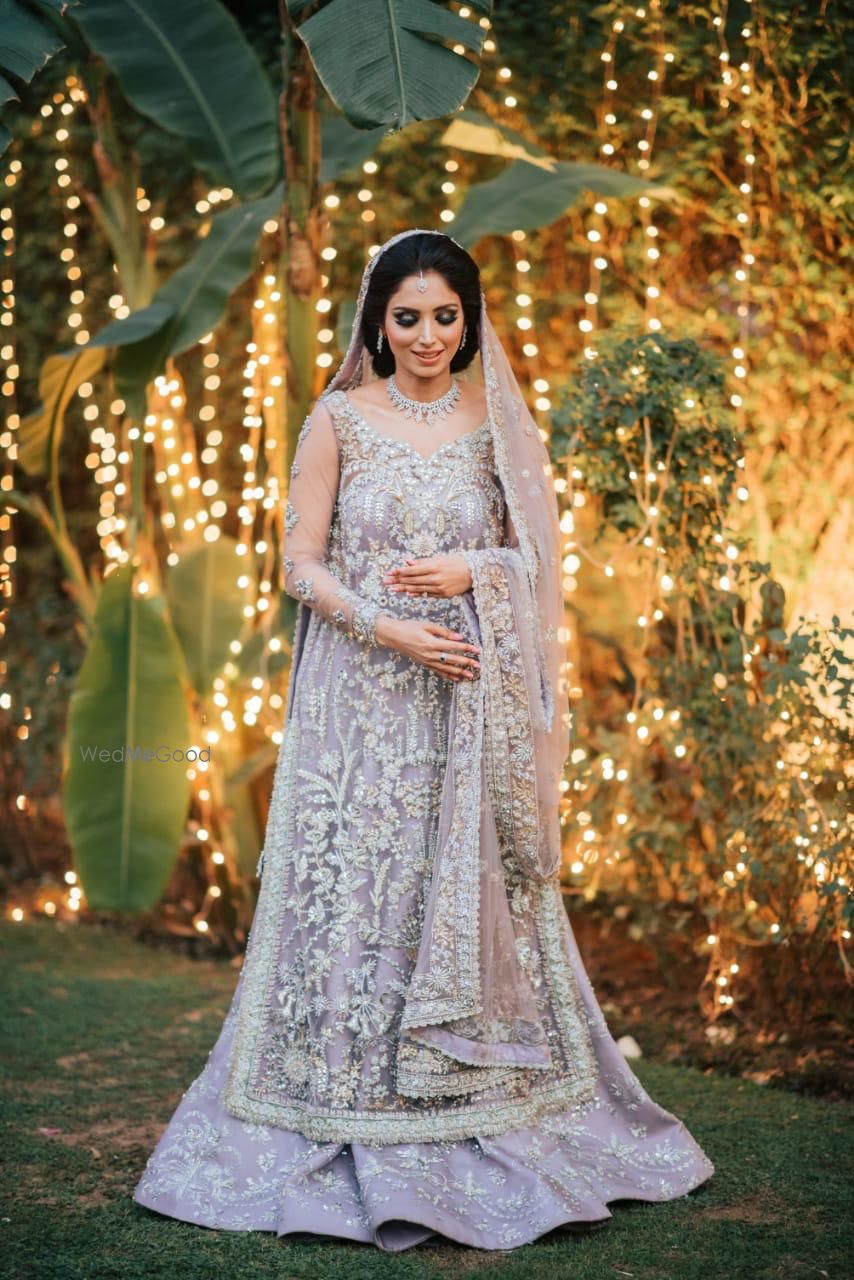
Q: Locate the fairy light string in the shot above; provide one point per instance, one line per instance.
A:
(606, 121)
(592, 843)
(735, 89)
(8, 385)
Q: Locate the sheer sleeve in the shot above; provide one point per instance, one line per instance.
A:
(308, 519)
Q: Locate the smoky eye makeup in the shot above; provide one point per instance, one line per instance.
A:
(408, 317)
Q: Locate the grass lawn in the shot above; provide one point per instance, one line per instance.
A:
(102, 1035)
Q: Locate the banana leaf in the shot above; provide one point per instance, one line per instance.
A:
(382, 61)
(189, 68)
(40, 432)
(526, 196)
(344, 148)
(474, 131)
(125, 814)
(191, 302)
(206, 606)
(27, 44)
(7, 93)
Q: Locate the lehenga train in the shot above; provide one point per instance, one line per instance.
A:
(371, 1081)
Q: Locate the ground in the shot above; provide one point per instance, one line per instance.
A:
(102, 1035)
(654, 998)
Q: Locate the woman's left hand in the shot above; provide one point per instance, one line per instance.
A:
(430, 576)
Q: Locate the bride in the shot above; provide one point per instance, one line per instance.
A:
(414, 1050)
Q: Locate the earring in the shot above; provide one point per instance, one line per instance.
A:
(465, 331)
(379, 341)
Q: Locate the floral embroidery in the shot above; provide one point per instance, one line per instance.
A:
(510, 749)
(308, 1046)
(496, 1192)
(320, 1044)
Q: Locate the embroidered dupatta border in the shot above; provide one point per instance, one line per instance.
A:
(411, 1124)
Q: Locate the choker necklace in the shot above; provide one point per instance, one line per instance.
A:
(424, 410)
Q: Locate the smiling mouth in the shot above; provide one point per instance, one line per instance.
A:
(427, 355)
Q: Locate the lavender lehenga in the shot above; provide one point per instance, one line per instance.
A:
(414, 1051)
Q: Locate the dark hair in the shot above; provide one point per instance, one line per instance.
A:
(413, 253)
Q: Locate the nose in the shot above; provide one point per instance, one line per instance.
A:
(427, 332)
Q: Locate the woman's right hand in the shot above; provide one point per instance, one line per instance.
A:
(424, 641)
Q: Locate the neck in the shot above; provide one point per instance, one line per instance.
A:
(424, 389)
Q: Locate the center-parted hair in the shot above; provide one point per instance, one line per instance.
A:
(410, 255)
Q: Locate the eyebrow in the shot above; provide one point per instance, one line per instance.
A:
(399, 306)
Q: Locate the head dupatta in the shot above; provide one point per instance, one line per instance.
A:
(471, 1019)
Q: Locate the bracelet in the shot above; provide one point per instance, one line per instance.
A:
(364, 623)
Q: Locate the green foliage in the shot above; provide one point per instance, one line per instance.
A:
(206, 607)
(384, 64)
(656, 432)
(714, 776)
(125, 814)
(191, 71)
(191, 302)
(344, 149)
(29, 40)
(531, 196)
(798, 394)
(40, 432)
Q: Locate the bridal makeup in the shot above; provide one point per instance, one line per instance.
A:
(424, 327)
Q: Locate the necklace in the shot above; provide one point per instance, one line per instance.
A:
(422, 410)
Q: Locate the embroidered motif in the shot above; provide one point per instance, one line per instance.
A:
(320, 1044)
(510, 747)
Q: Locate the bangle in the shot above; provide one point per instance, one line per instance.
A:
(364, 623)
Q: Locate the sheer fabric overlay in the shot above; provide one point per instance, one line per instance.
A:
(470, 1022)
(480, 1027)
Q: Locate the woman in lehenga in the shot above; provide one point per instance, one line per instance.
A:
(414, 1052)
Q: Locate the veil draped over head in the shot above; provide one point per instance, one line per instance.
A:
(471, 1016)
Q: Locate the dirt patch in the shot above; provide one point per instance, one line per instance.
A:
(35, 1089)
(640, 996)
(93, 1067)
(457, 1260)
(110, 1136)
(760, 1207)
(74, 1061)
(94, 1199)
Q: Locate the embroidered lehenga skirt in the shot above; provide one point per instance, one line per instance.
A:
(354, 1092)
